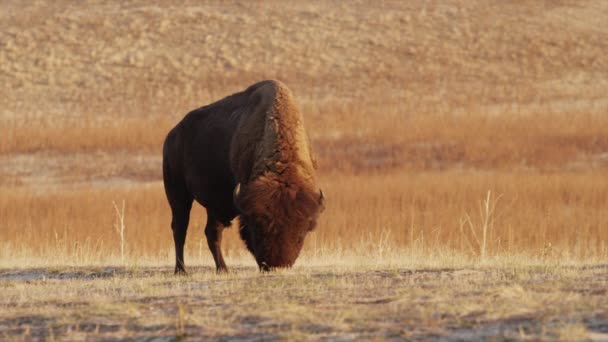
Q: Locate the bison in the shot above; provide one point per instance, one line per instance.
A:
(247, 155)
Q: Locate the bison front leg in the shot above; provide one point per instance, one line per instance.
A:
(213, 232)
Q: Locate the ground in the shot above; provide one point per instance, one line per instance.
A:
(482, 302)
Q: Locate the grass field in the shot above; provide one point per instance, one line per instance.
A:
(403, 300)
(462, 148)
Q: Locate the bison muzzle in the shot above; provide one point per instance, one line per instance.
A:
(247, 155)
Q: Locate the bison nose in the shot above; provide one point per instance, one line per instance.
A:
(271, 262)
(266, 265)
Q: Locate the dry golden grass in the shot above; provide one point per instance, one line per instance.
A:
(462, 150)
(421, 57)
(144, 136)
(549, 143)
(517, 302)
(550, 215)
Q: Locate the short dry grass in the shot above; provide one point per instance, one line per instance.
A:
(392, 301)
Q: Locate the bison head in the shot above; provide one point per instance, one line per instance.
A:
(275, 218)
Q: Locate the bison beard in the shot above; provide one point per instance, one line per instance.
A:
(246, 155)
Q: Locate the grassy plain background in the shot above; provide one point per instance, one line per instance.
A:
(416, 111)
(433, 121)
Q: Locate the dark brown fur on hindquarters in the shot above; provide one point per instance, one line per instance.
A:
(247, 155)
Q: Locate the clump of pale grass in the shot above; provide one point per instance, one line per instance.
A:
(119, 227)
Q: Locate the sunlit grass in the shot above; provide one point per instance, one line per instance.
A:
(556, 215)
(462, 151)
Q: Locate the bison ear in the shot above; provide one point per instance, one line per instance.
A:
(235, 197)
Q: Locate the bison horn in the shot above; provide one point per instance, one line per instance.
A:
(235, 196)
(321, 199)
(237, 190)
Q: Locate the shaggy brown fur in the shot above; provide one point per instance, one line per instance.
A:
(256, 139)
(279, 199)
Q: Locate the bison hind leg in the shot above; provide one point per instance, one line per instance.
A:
(181, 204)
(179, 225)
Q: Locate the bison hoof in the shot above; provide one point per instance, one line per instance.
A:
(180, 272)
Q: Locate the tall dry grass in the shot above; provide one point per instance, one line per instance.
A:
(393, 182)
(541, 215)
(361, 139)
(80, 135)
